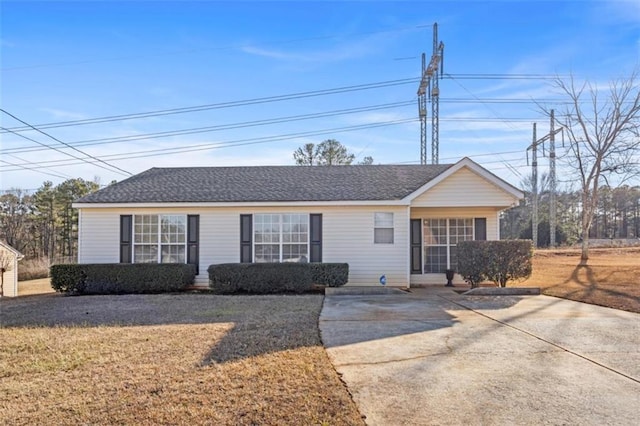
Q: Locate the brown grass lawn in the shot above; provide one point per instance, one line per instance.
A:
(611, 277)
(167, 359)
(37, 286)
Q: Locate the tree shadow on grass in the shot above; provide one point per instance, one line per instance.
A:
(589, 289)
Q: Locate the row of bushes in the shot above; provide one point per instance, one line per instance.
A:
(497, 261)
(263, 278)
(120, 278)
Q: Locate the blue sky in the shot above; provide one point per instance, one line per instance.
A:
(63, 61)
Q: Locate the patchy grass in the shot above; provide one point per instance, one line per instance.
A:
(38, 286)
(167, 359)
(611, 277)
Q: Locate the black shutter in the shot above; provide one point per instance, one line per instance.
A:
(480, 224)
(416, 246)
(246, 231)
(126, 222)
(315, 232)
(193, 245)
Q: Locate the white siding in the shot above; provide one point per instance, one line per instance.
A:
(464, 189)
(493, 233)
(347, 237)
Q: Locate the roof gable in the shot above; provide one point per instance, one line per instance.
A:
(452, 188)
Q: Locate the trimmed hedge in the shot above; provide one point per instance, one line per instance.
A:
(498, 261)
(329, 274)
(121, 278)
(260, 278)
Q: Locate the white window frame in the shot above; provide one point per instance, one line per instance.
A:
(158, 244)
(281, 243)
(448, 243)
(382, 223)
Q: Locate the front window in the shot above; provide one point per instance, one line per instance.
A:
(383, 228)
(159, 238)
(441, 237)
(281, 237)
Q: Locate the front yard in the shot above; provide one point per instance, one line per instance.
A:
(167, 359)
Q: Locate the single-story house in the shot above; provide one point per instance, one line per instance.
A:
(10, 275)
(400, 221)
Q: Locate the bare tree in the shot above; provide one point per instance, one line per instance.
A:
(603, 134)
(6, 265)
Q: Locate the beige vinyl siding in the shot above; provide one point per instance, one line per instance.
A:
(464, 189)
(347, 237)
(493, 233)
(10, 288)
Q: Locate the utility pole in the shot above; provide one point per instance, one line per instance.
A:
(429, 87)
(534, 187)
(552, 182)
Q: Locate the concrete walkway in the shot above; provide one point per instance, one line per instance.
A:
(435, 357)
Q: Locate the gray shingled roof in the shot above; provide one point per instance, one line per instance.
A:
(269, 183)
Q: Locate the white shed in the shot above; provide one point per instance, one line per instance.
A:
(10, 270)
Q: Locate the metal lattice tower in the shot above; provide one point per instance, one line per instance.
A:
(552, 181)
(422, 112)
(429, 87)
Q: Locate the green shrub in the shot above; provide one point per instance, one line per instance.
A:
(472, 261)
(497, 261)
(260, 278)
(121, 278)
(509, 260)
(329, 274)
(68, 278)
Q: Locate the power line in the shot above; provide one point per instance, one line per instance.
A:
(35, 169)
(61, 142)
(220, 105)
(221, 127)
(228, 144)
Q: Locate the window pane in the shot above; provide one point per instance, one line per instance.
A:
(383, 235)
(294, 253)
(173, 254)
(267, 253)
(145, 254)
(435, 259)
(383, 220)
(145, 229)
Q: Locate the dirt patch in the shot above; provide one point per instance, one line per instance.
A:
(610, 278)
(168, 359)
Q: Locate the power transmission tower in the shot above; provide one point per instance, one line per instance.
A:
(429, 87)
(422, 112)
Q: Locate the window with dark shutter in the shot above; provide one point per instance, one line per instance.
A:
(416, 246)
(125, 238)
(480, 225)
(246, 232)
(315, 239)
(193, 245)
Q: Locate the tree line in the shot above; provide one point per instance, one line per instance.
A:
(616, 215)
(43, 224)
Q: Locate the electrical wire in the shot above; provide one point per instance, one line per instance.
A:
(117, 169)
(221, 127)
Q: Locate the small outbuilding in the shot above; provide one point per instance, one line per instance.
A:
(9, 258)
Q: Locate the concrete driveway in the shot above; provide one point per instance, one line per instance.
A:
(435, 357)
